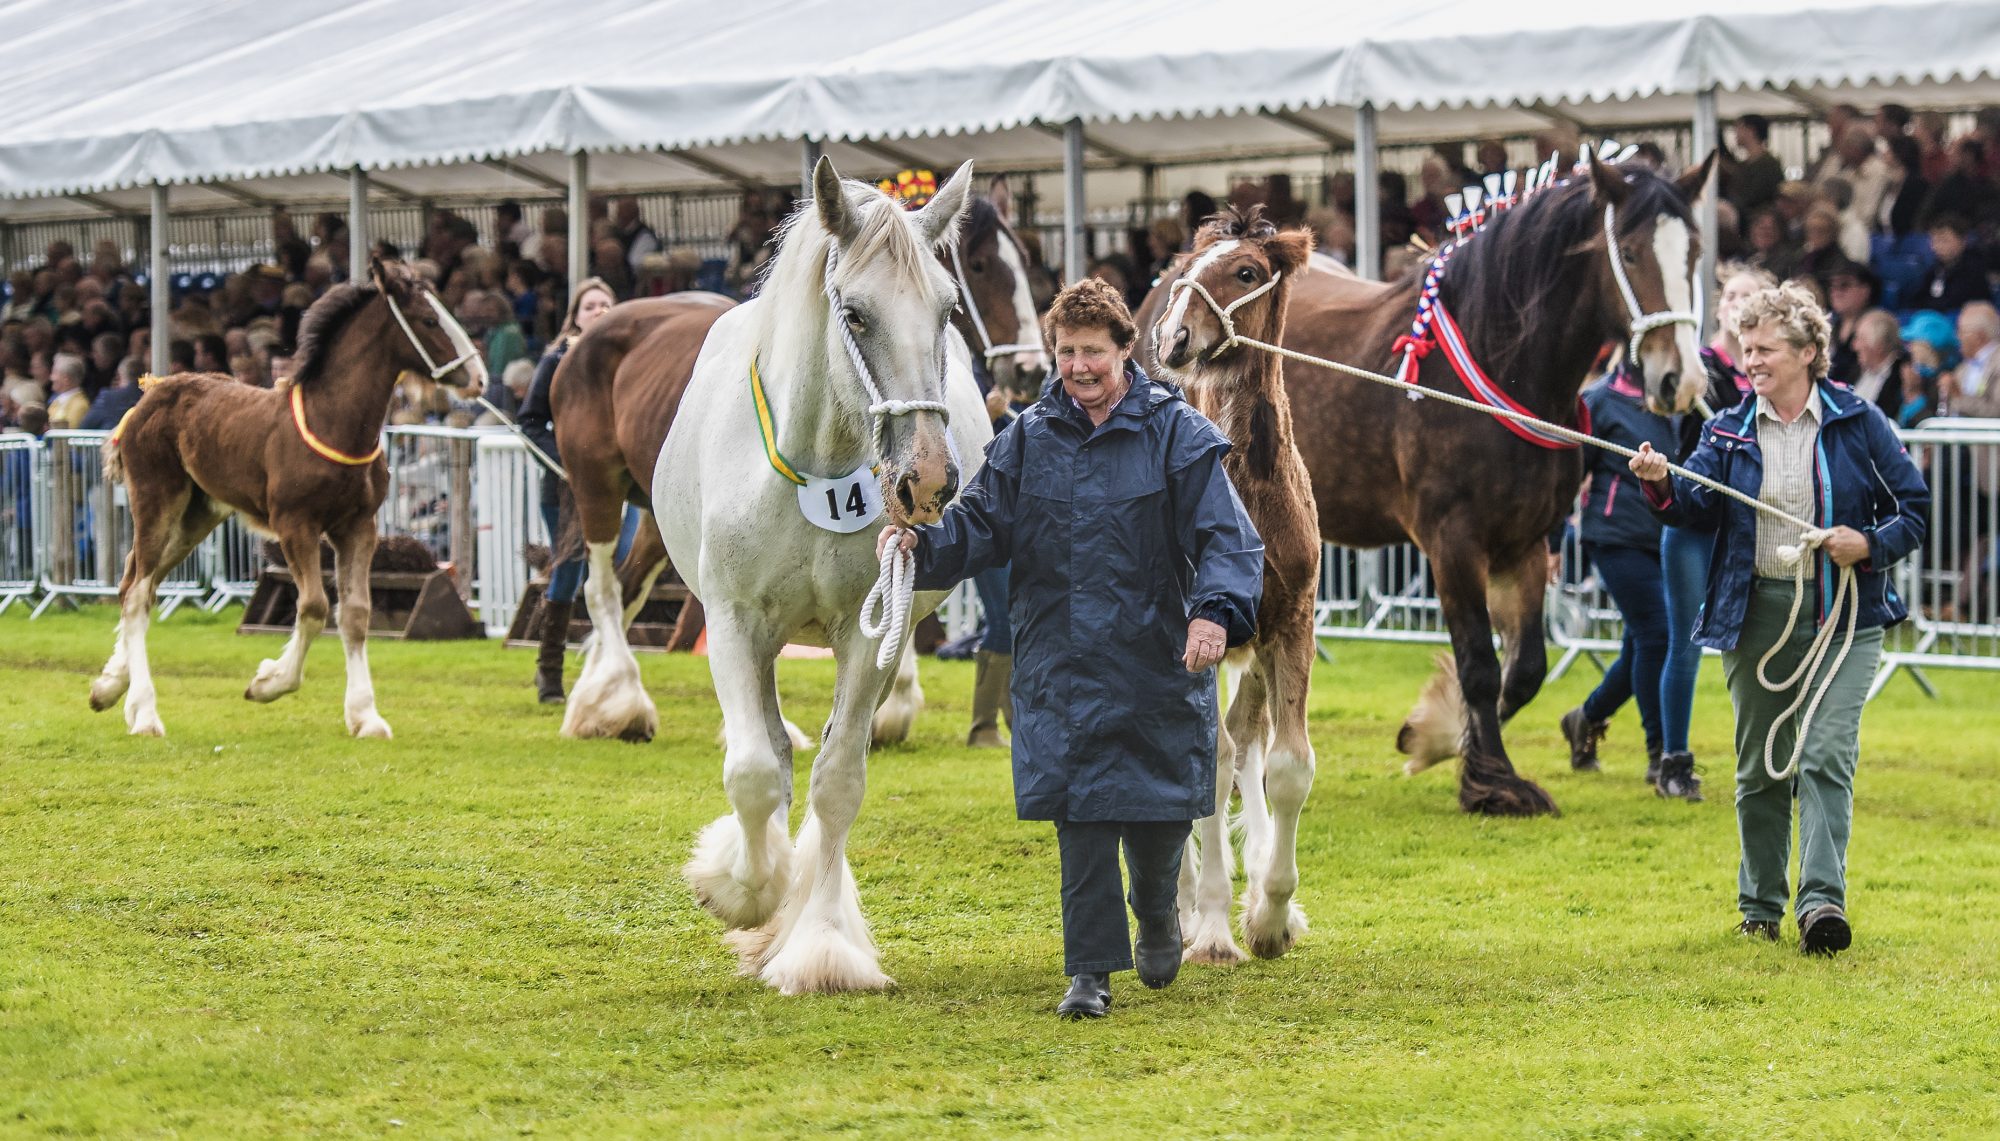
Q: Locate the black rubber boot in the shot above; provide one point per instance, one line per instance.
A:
(1089, 996)
(549, 658)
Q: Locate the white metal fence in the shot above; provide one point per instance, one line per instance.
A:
(472, 496)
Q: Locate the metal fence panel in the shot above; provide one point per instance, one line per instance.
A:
(88, 530)
(22, 482)
(507, 484)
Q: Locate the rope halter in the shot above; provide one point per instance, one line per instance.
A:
(1642, 321)
(986, 344)
(1225, 314)
(460, 340)
(880, 409)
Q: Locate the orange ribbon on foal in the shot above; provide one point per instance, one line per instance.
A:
(321, 446)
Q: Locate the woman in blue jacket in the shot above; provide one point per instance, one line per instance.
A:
(1621, 538)
(1134, 565)
(1819, 452)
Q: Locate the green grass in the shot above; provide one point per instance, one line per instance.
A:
(260, 927)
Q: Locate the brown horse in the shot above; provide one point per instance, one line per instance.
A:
(1245, 268)
(1538, 294)
(295, 464)
(616, 392)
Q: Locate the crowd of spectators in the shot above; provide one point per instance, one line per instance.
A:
(1891, 225)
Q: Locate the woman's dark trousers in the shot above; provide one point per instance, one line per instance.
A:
(1096, 938)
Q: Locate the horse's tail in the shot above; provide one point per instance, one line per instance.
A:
(114, 457)
(1435, 729)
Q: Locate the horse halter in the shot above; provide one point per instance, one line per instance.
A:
(978, 323)
(456, 332)
(1224, 314)
(878, 408)
(1642, 321)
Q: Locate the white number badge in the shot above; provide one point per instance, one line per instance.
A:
(843, 505)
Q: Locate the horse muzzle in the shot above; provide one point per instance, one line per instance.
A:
(918, 493)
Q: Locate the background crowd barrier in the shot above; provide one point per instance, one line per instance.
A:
(473, 497)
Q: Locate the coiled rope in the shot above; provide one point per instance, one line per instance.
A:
(1794, 555)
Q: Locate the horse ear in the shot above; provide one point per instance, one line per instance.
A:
(1694, 183)
(1289, 250)
(939, 217)
(830, 199)
(378, 274)
(1606, 184)
(1001, 196)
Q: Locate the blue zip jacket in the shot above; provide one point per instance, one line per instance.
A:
(1118, 534)
(1614, 511)
(1862, 478)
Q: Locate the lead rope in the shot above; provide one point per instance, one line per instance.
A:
(889, 599)
(986, 344)
(1794, 554)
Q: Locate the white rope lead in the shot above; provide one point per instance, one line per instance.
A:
(1810, 539)
(885, 613)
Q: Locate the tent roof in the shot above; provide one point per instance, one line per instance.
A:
(444, 97)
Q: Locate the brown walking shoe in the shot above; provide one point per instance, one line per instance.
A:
(1583, 734)
(1765, 929)
(1824, 931)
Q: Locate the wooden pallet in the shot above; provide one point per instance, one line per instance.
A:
(418, 606)
(671, 619)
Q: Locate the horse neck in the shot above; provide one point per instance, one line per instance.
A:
(1543, 363)
(347, 406)
(1248, 402)
(817, 430)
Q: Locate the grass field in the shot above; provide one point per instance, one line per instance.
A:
(260, 927)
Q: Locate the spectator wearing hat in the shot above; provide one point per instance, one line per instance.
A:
(1958, 275)
(1850, 292)
(1933, 347)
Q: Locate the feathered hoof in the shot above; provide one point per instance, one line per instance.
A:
(369, 727)
(1504, 795)
(1209, 942)
(710, 872)
(145, 724)
(893, 721)
(624, 713)
(107, 689)
(269, 684)
(752, 946)
(1434, 729)
(1270, 927)
(823, 961)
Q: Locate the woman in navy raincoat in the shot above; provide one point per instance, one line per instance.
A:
(1134, 566)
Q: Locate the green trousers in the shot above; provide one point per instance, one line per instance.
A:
(1824, 782)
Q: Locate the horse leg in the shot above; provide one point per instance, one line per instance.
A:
(1207, 932)
(642, 567)
(353, 551)
(821, 942)
(899, 710)
(742, 861)
(609, 700)
(1271, 918)
(1487, 781)
(1253, 815)
(159, 541)
(1516, 601)
(277, 677)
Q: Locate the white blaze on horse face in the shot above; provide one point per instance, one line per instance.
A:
(1032, 361)
(1177, 313)
(1671, 246)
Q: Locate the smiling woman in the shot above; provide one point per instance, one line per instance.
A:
(1109, 498)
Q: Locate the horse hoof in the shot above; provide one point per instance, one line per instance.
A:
(710, 872)
(267, 685)
(105, 692)
(1506, 796)
(371, 727)
(147, 725)
(1209, 942)
(1271, 928)
(823, 963)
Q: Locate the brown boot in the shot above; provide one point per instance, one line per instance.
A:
(990, 700)
(549, 658)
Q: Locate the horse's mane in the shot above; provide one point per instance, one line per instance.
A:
(979, 220)
(322, 322)
(795, 275)
(1507, 277)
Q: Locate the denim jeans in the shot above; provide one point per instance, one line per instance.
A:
(566, 577)
(1684, 555)
(1633, 577)
(992, 588)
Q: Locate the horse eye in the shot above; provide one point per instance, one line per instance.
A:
(1246, 275)
(979, 265)
(855, 321)
(1630, 257)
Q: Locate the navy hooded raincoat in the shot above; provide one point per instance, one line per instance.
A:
(1119, 534)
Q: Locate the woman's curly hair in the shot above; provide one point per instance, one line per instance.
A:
(1090, 304)
(1789, 307)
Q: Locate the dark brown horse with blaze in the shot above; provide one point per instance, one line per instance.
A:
(616, 392)
(1239, 276)
(295, 464)
(1536, 293)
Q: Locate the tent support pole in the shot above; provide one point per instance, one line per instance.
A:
(162, 296)
(1073, 202)
(358, 240)
(809, 154)
(1707, 136)
(1367, 196)
(579, 217)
